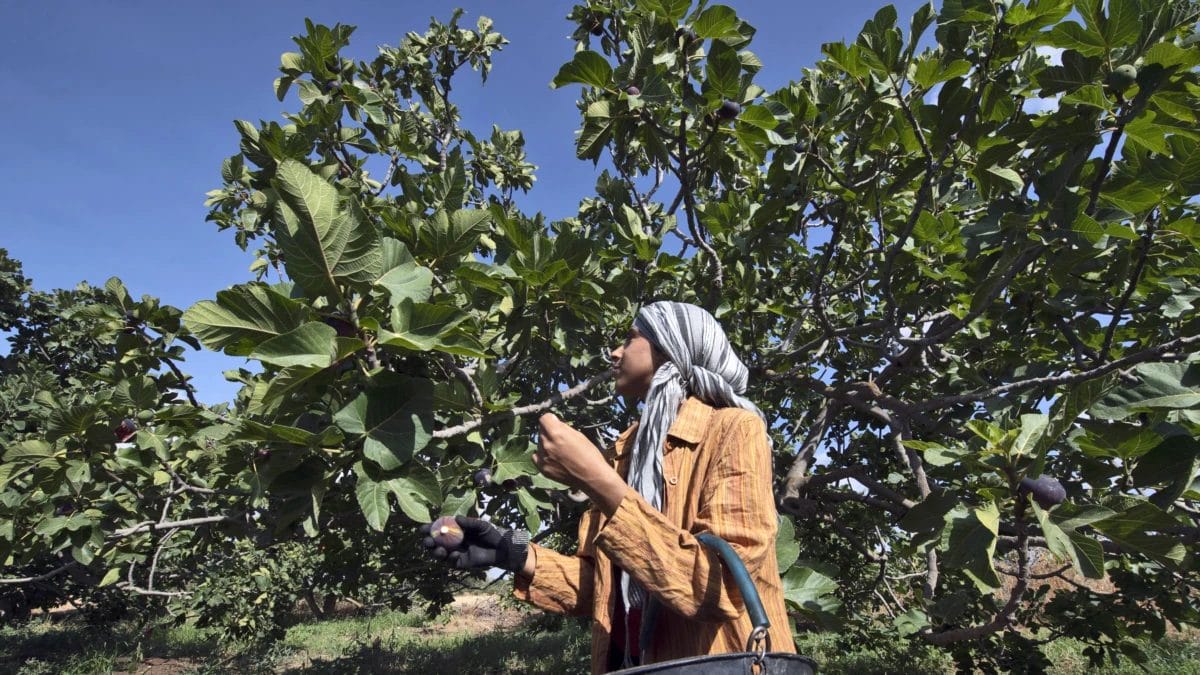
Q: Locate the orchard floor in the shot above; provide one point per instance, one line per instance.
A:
(480, 634)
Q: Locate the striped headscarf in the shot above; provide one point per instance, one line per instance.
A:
(699, 362)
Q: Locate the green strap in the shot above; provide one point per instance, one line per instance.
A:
(741, 577)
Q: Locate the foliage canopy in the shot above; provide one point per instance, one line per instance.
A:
(955, 253)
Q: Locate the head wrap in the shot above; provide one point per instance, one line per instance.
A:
(699, 362)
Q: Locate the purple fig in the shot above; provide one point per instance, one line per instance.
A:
(1046, 490)
(729, 110)
(633, 90)
(125, 430)
(482, 477)
(446, 532)
(343, 327)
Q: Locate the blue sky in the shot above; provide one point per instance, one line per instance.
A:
(118, 115)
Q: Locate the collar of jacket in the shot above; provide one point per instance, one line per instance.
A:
(688, 427)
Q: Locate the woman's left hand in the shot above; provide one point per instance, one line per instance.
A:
(567, 456)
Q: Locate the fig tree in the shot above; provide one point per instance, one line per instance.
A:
(1122, 77)
(446, 532)
(1046, 490)
(729, 110)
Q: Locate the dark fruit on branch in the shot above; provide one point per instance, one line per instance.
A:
(632, 90)
(729, 110)
(597, 28)
(344, 328)
(1046, 490)
(446, 532)
(482, 478)
(1122, 77)
(125, 430)
(686, 34)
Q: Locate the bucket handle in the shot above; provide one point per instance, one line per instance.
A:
(759, 637)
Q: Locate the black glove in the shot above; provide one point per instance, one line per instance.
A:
(483, 545)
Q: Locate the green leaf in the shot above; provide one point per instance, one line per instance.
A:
(110, 577)
(408, 281)
(285, 383)
(394, 419)
(787, 549)
(514, 459)
(716, 21)
(326, 242)
(592, 138)
(1065, 411)
(1071, 35)
(242, 317)
(372, 499)
(910, 622)
(928, 517)
(723, 71)
(452, 234)
(1172, 459)
(26, 450)
(811, 593)
(969, 543)
(586, 67)
(1086, 554)
(70, 421)
(311, 344)
(1033, 427)
(758, 116)
(1133, 530)
(1012, 178)
(416, 492)
(420, 326)
(1161, 386)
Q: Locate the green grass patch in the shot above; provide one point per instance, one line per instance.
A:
(411, 642)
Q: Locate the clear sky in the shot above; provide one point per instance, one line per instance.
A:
(117, 116)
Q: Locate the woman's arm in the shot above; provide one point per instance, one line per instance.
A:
(563, 584)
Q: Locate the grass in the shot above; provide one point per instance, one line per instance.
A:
(485, 639)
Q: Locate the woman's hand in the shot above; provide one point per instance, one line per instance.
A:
(567, 456)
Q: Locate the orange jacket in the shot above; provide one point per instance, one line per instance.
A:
(716, 478)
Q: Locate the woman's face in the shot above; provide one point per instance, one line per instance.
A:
(634, 364)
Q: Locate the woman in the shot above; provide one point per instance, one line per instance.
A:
(699, 460)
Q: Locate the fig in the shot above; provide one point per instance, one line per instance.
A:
(344, 328)
(446, 532)
(1122, 77)
(729, 110)
(125, 430)
(597, 29)
(1046, 490)
(632, 90)
(482, 477)
(686, 34)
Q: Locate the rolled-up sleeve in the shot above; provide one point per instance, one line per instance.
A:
(737, 505)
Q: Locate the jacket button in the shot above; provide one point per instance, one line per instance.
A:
(672, 480)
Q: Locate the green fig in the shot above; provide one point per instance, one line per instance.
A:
(1122, 77)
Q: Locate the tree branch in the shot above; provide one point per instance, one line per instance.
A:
(531, 409)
